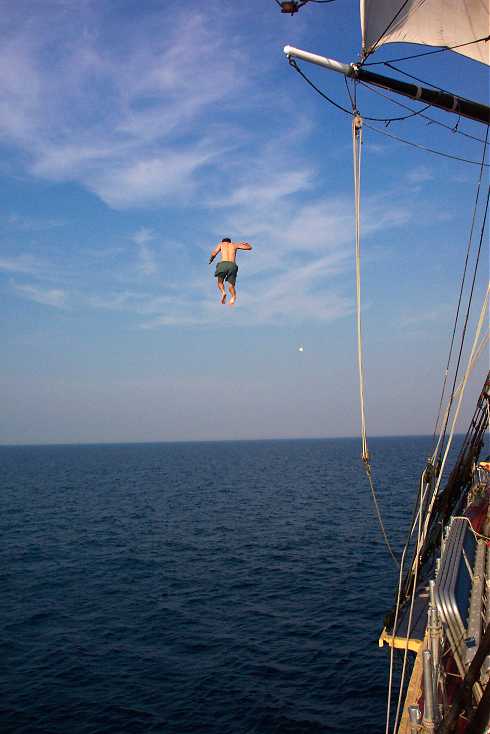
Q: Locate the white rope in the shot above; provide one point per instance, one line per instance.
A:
(462, 387)
(357, 147)
(473, 359)
(477, 355)
(423, 493)
(417, 521)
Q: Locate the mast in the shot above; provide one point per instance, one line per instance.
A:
(434, 97)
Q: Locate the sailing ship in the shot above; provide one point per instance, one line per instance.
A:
(440, 622)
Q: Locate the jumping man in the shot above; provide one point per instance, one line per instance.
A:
(227, 268)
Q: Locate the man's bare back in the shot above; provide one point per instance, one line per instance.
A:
(227, 267)
(228, 250)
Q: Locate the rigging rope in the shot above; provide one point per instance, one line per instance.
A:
(357, 146)
(484, 342)
(417, 79)
(471, 363)
(423, 147)
(420, 113)
(375, 44)
(470, 240)
(417, 519)
(428, 53)
(386, 120)
(424, 485)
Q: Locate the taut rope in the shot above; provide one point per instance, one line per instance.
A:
(356, 146)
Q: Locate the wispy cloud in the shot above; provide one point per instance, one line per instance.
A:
(147, 259)
(122, 121)
(29, 224)
(419, 175)
(48, 297)
(291, 275)
(424, 318)
(20, 264)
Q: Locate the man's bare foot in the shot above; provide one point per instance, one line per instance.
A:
(223, 298)
(232, 300)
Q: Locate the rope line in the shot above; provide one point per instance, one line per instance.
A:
(386, 120)
(485, 340)
(432, 120)
(423, 147)
(471, 364)
(477, 535)
(375, 44)
(357, 147)
(416, 520)
(295, 66)
(421, 81)
(476, 351)
(422, 495)
(463, 278)
(428, 53)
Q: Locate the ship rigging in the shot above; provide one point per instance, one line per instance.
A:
(442, 601)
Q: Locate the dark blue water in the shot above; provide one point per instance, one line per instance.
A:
(201, 587)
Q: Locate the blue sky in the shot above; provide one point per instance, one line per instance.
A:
(133, 137)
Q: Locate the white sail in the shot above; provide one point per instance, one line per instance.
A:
(430, 22)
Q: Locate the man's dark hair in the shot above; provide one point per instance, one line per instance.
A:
(226, 239)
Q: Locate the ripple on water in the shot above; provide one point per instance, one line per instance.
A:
(148, 588)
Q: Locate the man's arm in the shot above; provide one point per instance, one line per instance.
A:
(243, 246)
(214, 252)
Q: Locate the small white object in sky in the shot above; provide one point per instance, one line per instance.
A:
(300, 349)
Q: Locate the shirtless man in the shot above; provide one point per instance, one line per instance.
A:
(227, 268)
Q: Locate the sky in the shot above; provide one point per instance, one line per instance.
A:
(133, 137)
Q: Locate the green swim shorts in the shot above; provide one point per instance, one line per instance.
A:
(227, 270)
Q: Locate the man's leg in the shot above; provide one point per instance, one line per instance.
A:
(232, 290)
(221, 287)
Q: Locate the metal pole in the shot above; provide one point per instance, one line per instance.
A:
(428, 720)
(346, 69)
(414, 717)
(434, 97)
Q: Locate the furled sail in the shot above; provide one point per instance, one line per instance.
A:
(431, 22)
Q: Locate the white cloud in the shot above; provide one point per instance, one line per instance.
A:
(29, 224)
(20, 264)
(291, 275)
(419, 175)
(114, 118)
(425, 318)
(148, 264)
(48, 297)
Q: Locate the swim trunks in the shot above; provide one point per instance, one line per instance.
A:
(227, 270)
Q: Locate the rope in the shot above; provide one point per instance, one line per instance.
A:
(470, 240)
(432, 120)
(416, 520)
(427, 150)
(471, 363)
(429, 53)
(422, 495)
(303, 2)
(421, 81)
(485, 340)
(478, 536)
(470, 299)
(356, 146)
(386, 120)
(373, 47)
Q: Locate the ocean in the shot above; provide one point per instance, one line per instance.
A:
(219, 588)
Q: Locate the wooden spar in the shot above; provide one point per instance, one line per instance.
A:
(434, 97)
